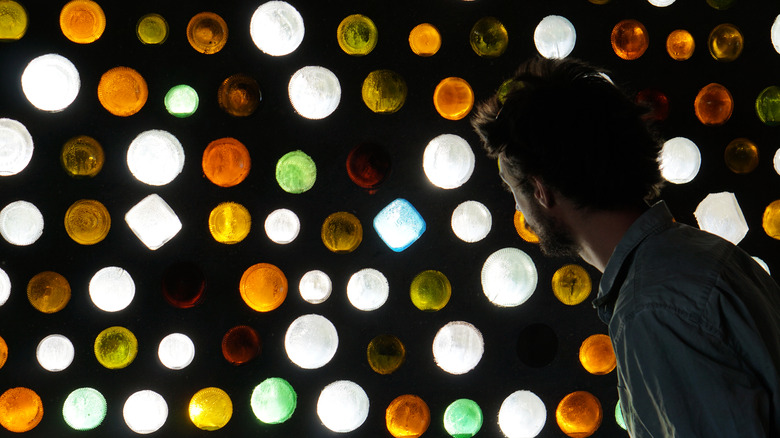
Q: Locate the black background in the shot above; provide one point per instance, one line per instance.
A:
(276, 129)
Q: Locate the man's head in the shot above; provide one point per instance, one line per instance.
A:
(562, 126)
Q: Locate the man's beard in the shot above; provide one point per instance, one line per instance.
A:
(555, 239)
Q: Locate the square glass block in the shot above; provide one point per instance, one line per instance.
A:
(153, 221)
(399, 225)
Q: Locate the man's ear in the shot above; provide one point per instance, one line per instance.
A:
(542, 193)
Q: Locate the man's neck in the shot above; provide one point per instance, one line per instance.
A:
(598, 232)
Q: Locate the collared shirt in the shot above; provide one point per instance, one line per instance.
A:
(695, 324)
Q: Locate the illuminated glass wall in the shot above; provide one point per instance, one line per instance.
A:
(273, 218)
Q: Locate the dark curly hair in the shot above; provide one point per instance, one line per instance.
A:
(565, 122)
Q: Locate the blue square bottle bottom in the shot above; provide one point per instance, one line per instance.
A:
(399, 225)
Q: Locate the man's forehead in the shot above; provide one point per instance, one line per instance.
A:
(504, 168)
(503, 162)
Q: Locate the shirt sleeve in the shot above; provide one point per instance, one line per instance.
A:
(678, 378)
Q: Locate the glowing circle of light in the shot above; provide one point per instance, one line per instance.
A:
(425, 40)
(522, 415)
(82, 21)
(145, 411)
(263, 287)
(762, 264)
(87, 221)
(555, 37)
(463, 418)
(458, 347)
(210, 408)
(226, 162)
(176, 351)
(776, 161)
(229, 223)
(680, 160)
(579, 414)
(155, 157)
(207, 33)
(3, 351)
(311, 341)
(453, 98)
(55, 353)
(239, 95)
(430, 291)
(5, 287)
(726, 42)
(112, 289)
(509, 277)
(571, 284)
(15, 21)
(368, 165)
(629, 39)
(768, 105)
(282, 226)
(342, 232)
(116, 347)
(407, 416)
(21, 409)
(471, 221)
(315, 92)
(181, 101)
(770, 221)
(357, 35)
(368, 289)
(122, 91)
(661, 3)
(720, 214)
(315, 287)
(277, 28)
(619, 416)
(273, 401)
(16, 147)
(48, 292)
(448, 161)
(153, 221)
(51, 82)
(296, 172)
(84, 409)
(384, 91)
(343, 406)
(775, 34)
(680, 44)
(714, 104)
(21, 223)
(489, 37)
(152, 29)
(82, 157)
(385, 354)
(597, 356)
(241, 344)
(741, 156)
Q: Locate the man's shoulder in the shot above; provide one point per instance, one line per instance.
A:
(674, 269)
(680, 256)
(693, 274)
(686, 244)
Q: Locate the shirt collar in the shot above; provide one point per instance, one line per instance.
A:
(650, 222)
